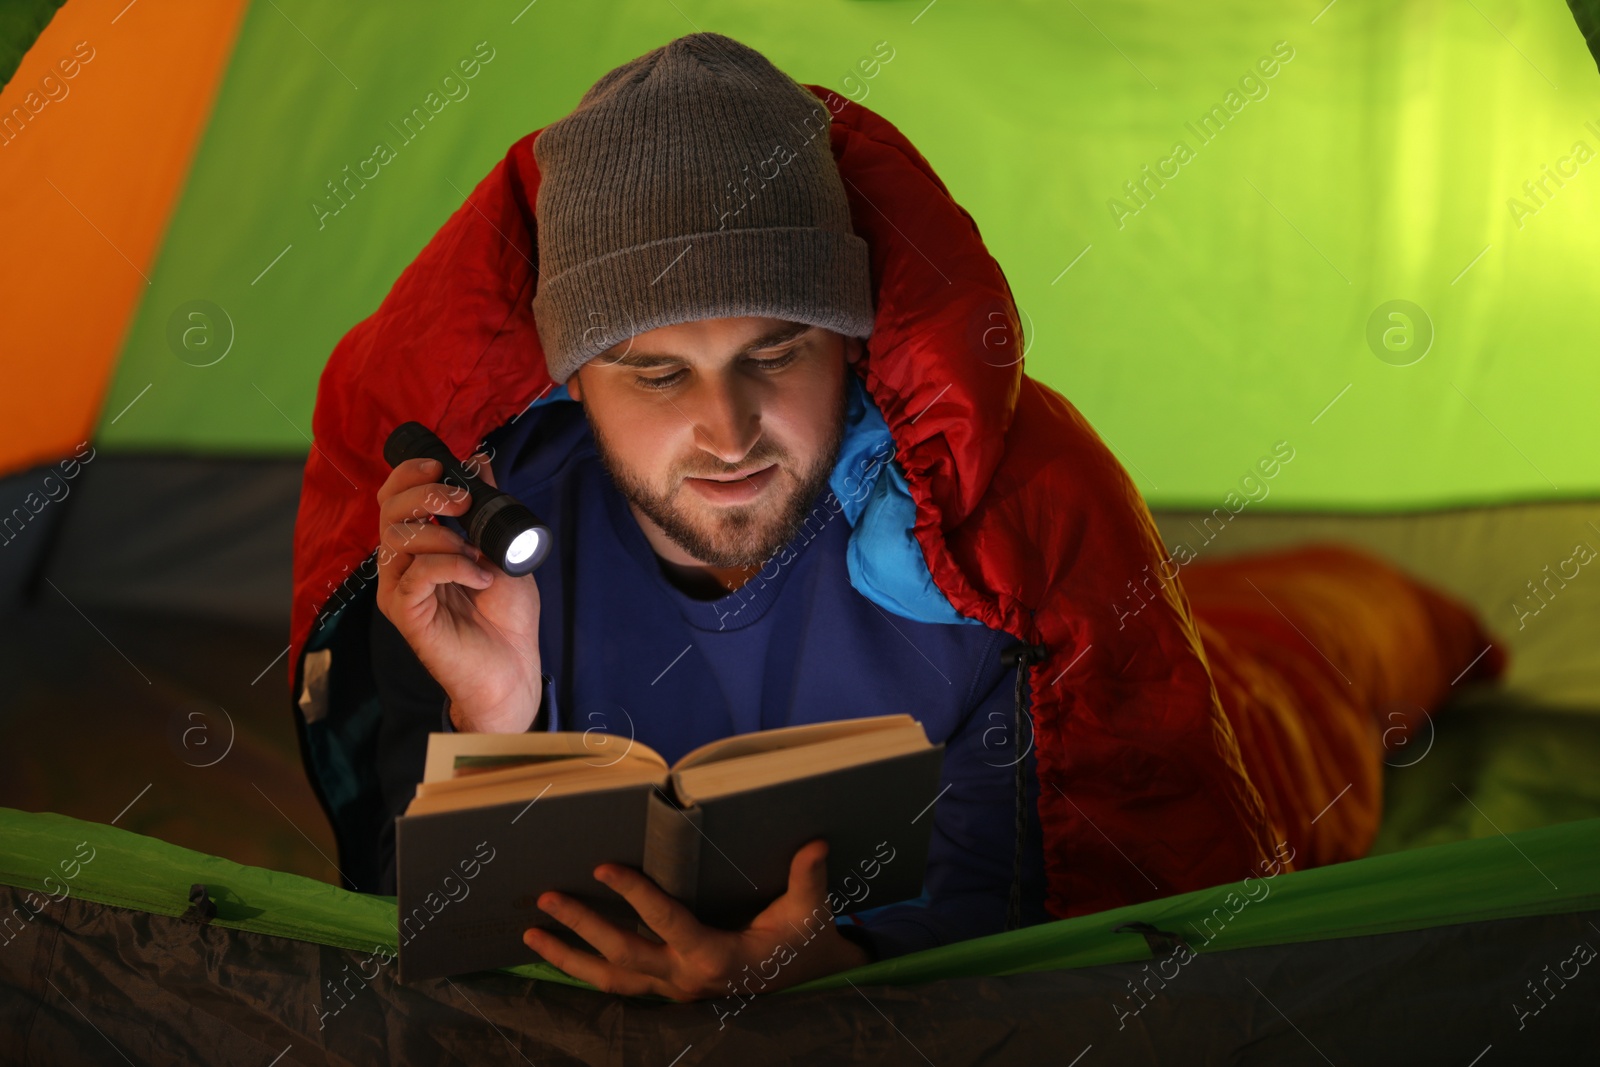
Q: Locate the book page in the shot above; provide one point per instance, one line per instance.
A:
(627, 774)
(555, 770)
(785, 737)
(593, 746)
(721, 777)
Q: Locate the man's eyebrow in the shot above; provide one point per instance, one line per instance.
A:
(772, 339)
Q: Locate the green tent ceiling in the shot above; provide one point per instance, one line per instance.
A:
(1207, 214)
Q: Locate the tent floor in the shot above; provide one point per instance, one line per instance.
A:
(94, 983)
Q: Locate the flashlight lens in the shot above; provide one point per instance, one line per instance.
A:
(523, 547)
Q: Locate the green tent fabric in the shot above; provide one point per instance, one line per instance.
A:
(1533, 894)
(1587, 12)
(1383, 160)
(1497, 764)
(1551, 870)
(21, 22)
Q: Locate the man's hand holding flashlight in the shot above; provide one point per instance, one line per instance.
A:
(475, 628)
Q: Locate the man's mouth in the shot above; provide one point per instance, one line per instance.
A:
(736, 488)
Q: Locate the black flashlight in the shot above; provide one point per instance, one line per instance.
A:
(506, 531)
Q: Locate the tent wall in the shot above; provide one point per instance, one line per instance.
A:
(203, 536)
(182, 534)
(1587, 12)
(31, 508)
(1521, 567)
(20, 25)
(97, 131)
(1241, 303)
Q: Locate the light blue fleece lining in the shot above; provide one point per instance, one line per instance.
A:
(884, 559)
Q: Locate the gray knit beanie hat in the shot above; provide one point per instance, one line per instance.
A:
(695, 182)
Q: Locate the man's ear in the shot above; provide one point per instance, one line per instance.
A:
(574, 387)
(854, 349)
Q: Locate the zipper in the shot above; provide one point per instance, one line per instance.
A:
(1020, 656)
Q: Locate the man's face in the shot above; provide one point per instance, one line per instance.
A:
(758, 404)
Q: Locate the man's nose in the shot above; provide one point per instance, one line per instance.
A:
(727, 417)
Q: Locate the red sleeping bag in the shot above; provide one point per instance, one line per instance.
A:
(1176, 748)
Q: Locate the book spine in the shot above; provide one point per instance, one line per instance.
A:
(672, 848)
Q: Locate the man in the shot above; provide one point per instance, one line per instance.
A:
(978, 558)
(701, 581)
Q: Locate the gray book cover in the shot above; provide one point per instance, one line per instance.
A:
(470, 879)
(728, 858)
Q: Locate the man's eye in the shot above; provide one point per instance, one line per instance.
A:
(773, 364)
(661, 382)
(666, 381)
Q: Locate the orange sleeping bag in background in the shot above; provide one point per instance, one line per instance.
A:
(1327, 660)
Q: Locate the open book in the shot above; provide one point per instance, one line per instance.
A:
(499, 819)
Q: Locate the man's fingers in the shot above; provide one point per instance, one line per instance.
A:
(412, 491)
(808, 872)
(807, 891)
(421, 502)
(627, 956)
(672, 922)
(587, 967)
(625, 949)
(412, 472)
(424, 538)
(426, 573)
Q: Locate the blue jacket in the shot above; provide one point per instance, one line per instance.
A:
(844, 622)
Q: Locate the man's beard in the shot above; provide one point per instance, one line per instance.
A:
(742, 535)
